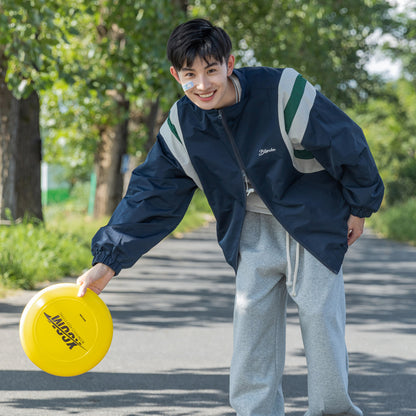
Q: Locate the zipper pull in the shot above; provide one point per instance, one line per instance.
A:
(249, 189)
(219, 115)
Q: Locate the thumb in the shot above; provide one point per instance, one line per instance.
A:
(82, 289)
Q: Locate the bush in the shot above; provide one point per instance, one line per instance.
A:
(397, 222)
(32, 253)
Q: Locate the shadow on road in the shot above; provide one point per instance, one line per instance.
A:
(375, 385)
(185, 389)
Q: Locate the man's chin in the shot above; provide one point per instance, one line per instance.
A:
(204, 105)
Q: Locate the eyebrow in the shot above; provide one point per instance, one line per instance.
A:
(206, 67)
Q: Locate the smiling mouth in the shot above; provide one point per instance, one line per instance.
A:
(206, 96)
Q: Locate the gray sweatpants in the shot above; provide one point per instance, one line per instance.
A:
(272, 265)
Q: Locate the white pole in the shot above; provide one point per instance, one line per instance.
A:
(44, 183)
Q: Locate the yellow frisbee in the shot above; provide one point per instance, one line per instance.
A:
(63, 334)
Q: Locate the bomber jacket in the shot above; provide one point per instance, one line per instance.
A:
(306, 159)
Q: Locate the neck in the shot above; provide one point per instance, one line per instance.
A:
(231, 93)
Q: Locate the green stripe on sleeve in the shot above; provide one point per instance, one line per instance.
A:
(173, 130)
(294, 101)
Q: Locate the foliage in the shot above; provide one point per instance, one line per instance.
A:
(398, 222)
(401, 40)
(68, 132)
(116, 50)
(389, 122)
(116, 53)
(327, 41)
(31, 253)
(83, 56)
(29, 30)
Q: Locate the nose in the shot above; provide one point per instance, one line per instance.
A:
(203, 83)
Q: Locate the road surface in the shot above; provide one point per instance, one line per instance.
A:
(172, 341)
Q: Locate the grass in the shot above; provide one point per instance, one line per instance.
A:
(198, 214)
(397, 222)
(31, 253)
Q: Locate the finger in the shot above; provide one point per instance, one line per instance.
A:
(82, 290)
(96, 289)
(353, 236)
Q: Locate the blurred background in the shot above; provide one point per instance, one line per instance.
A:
(85, 86)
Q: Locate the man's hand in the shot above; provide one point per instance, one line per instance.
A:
(355, 228)
(95, 278)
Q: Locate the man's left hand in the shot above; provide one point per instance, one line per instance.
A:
(355, 228)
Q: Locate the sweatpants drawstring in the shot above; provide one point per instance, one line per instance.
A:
(291, 280)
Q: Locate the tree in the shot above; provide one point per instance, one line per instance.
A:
(389, 122)
(401, 42)
(115, 62)
(28, 158)
(25, 62)
(327, 41)
(113, 78)
(8, 123)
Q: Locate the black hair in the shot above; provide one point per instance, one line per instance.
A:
(197, 37)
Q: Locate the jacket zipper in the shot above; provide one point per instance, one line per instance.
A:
(244, 175)
(236, 152)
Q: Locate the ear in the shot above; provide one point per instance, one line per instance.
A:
(230, 65)
(175, 74)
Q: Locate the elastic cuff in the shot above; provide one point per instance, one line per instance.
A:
(108, 261)
(361, 212)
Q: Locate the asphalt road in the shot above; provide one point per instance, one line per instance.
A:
(172, 342)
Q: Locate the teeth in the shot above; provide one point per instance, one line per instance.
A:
(206, 95)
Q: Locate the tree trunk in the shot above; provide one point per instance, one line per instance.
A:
(9, 113)
(20, 153)
(153, 123)
(112, 146)
(28, 159)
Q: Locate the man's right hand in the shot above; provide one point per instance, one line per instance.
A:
(95, 279)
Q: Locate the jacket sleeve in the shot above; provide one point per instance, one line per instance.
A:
(157, 198)
(340, 147)
(324, 137)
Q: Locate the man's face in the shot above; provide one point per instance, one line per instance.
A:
(207, 83)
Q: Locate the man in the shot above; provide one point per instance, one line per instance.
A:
(290, 180)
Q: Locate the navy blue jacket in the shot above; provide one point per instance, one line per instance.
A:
(308, 161)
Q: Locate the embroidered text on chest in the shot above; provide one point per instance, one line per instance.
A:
(265, 151)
